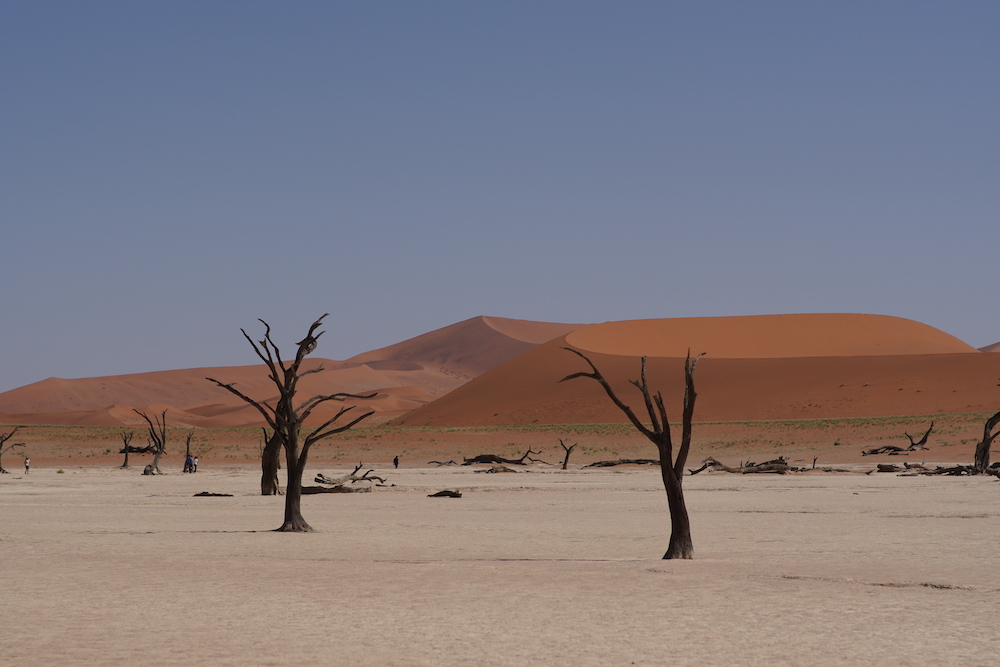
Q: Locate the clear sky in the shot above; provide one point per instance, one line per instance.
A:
(171, 171)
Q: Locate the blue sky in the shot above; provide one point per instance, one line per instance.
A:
(171, 171)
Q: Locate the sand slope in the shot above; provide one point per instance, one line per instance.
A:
(995, 347)
(814, 382)
(768, 336)
(406, 376)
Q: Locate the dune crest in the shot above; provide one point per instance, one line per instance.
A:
(995, 347)
(757, 368)
(471, 347)
(768, 336)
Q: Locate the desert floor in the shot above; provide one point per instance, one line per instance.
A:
(106, 567)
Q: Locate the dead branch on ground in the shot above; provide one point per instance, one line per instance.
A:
(446, 494)
(892, 450)
(351, 477)
(493, 458)
(623, 462)
(496, 469)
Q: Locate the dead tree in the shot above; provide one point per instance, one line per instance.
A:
(982, 461)
(4, 437)
(287, 419)
(126, 440)
(568, 450)
(157, 440)
(920, 444)
(270, 464)
(671, 465)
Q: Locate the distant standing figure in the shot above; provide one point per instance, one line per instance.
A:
(188, 463)
(27, 465)
(395, 462)
(194, 464)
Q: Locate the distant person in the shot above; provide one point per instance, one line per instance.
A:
(27, 465)
(395, 462)
(188, 463)
(194, 464)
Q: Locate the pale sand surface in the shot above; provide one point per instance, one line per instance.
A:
(105, 567)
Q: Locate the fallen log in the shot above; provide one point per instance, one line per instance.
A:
(888, 467)
(351, 477)
(493, 458)
(891, 450)
(496, 469)
(439, 463)
(446, 494)
(623, 462)
(207, 494)
(777, 466)
(309, 490)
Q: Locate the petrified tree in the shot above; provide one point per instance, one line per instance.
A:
(287, 419)
(157, 434)
(568, 451)
(126, 446)
(982, 460)
(4, 437)
(671, 464)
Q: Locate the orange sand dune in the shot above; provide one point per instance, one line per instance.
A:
(768, 336)
(406, 376)
(995, 347)
(525, 390)
(469, 348)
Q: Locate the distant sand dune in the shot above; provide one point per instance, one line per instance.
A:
(920, 371)
(405, 376)
(768, 336)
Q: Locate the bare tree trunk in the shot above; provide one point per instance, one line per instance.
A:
(126, 441)
(681, 545)
(982, 461)
(294, 523)
(270, 463)
(568, 451)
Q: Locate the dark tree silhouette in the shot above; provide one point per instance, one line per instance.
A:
(671, 465)
(157, 429)
(4, 437)
(922, 443)
(982, 460)
(287, 419)
(126, 446)
(568, 450)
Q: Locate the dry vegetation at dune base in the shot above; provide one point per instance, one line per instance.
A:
(107, 567)
(829, 440)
